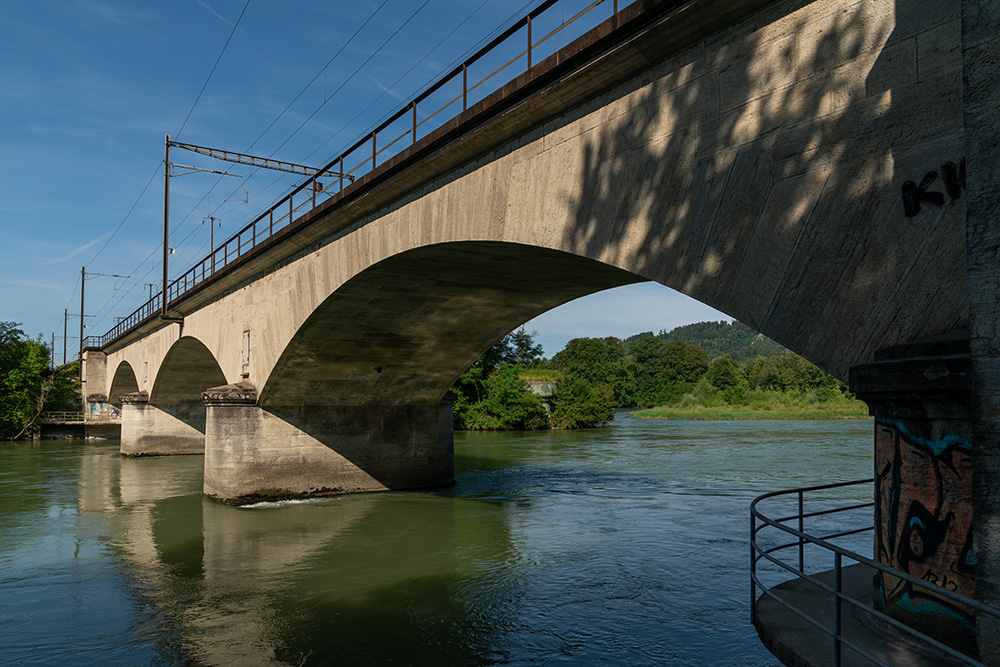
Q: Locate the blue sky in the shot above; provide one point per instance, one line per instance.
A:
(90, 88)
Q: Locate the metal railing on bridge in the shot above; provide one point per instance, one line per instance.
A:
(453, 92)
(65, 417)
(803, 543)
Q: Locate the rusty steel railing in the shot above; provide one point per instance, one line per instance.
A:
(840, 600)
(364, 154)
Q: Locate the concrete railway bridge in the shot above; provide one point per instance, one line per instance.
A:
(767, 158)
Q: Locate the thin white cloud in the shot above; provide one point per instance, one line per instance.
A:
(111, 14)
(77, 251)
(219, 16)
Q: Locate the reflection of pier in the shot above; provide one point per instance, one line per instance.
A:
(357, 573)
(211, 569)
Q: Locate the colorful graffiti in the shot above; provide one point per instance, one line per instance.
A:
(101, 412)
(923, 526)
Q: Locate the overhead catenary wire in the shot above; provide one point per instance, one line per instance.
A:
(209, 78)
(326, 99)
(184, 219)
(183, 125)
(185, 241)
(346, 125)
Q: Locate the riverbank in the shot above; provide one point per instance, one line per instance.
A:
(730, 412)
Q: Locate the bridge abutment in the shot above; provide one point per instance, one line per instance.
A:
(152, 430)
(253, 453)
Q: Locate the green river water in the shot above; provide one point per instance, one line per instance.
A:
(624, 545)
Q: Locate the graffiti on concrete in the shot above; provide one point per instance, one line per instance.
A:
(923, 524)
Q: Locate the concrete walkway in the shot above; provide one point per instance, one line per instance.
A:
(798, 643)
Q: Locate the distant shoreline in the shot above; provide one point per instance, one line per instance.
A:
(735, 413)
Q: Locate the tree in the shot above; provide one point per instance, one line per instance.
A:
(579, 404)
(727, 376)
(27, 386)
(508, 405)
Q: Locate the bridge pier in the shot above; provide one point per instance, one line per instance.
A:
(253, 453)
(153, 430)
(920, 394)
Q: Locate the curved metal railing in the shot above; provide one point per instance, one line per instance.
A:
(453, 93)
(759, 523)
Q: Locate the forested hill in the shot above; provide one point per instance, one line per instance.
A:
(721, 338)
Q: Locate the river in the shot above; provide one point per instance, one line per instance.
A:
(624, 545)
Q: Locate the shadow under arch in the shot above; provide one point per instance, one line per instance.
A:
(171, 420)
(188, 369)
(124, 382)
(401, 332)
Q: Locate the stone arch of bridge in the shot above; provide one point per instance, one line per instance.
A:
(401, 331)
(188, 369)
(123, 382)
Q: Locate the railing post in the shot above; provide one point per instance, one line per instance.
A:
(802, 529)
(465, 87)
(837, 585)
(529, 41)
(374, 152)
(270, 222)
(341, 173)
(414, 127)
(291, 209)
(753, 569)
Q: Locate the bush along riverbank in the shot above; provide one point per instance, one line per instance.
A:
(496, 392)
(511, 386)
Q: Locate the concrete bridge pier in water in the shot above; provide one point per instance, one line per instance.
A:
(768, 158)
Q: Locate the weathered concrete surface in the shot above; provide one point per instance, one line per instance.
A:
(797, 643)
(981, 72)
(146, 430)
(285, 451)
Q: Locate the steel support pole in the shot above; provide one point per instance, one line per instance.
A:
(65, 327)
(83, 285)
(166, 217)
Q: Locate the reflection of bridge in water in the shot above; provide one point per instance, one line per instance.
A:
(242, 585)
(762, 157)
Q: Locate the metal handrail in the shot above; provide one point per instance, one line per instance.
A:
(310, 192)
(758, 553)
(64, 416)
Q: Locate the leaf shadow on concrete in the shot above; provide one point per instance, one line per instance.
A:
(760, 172)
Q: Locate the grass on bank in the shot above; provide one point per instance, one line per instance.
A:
(761, 405)
(741, 412)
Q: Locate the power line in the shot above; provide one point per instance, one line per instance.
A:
(327, 99)
(183, 125)
(285, 110)
(217, 60)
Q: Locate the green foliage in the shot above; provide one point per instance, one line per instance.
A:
(598, 361)
(664, 372)
(595, 375)
(27, 387)
(506, 406)
(579, 404)
(718, 339)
